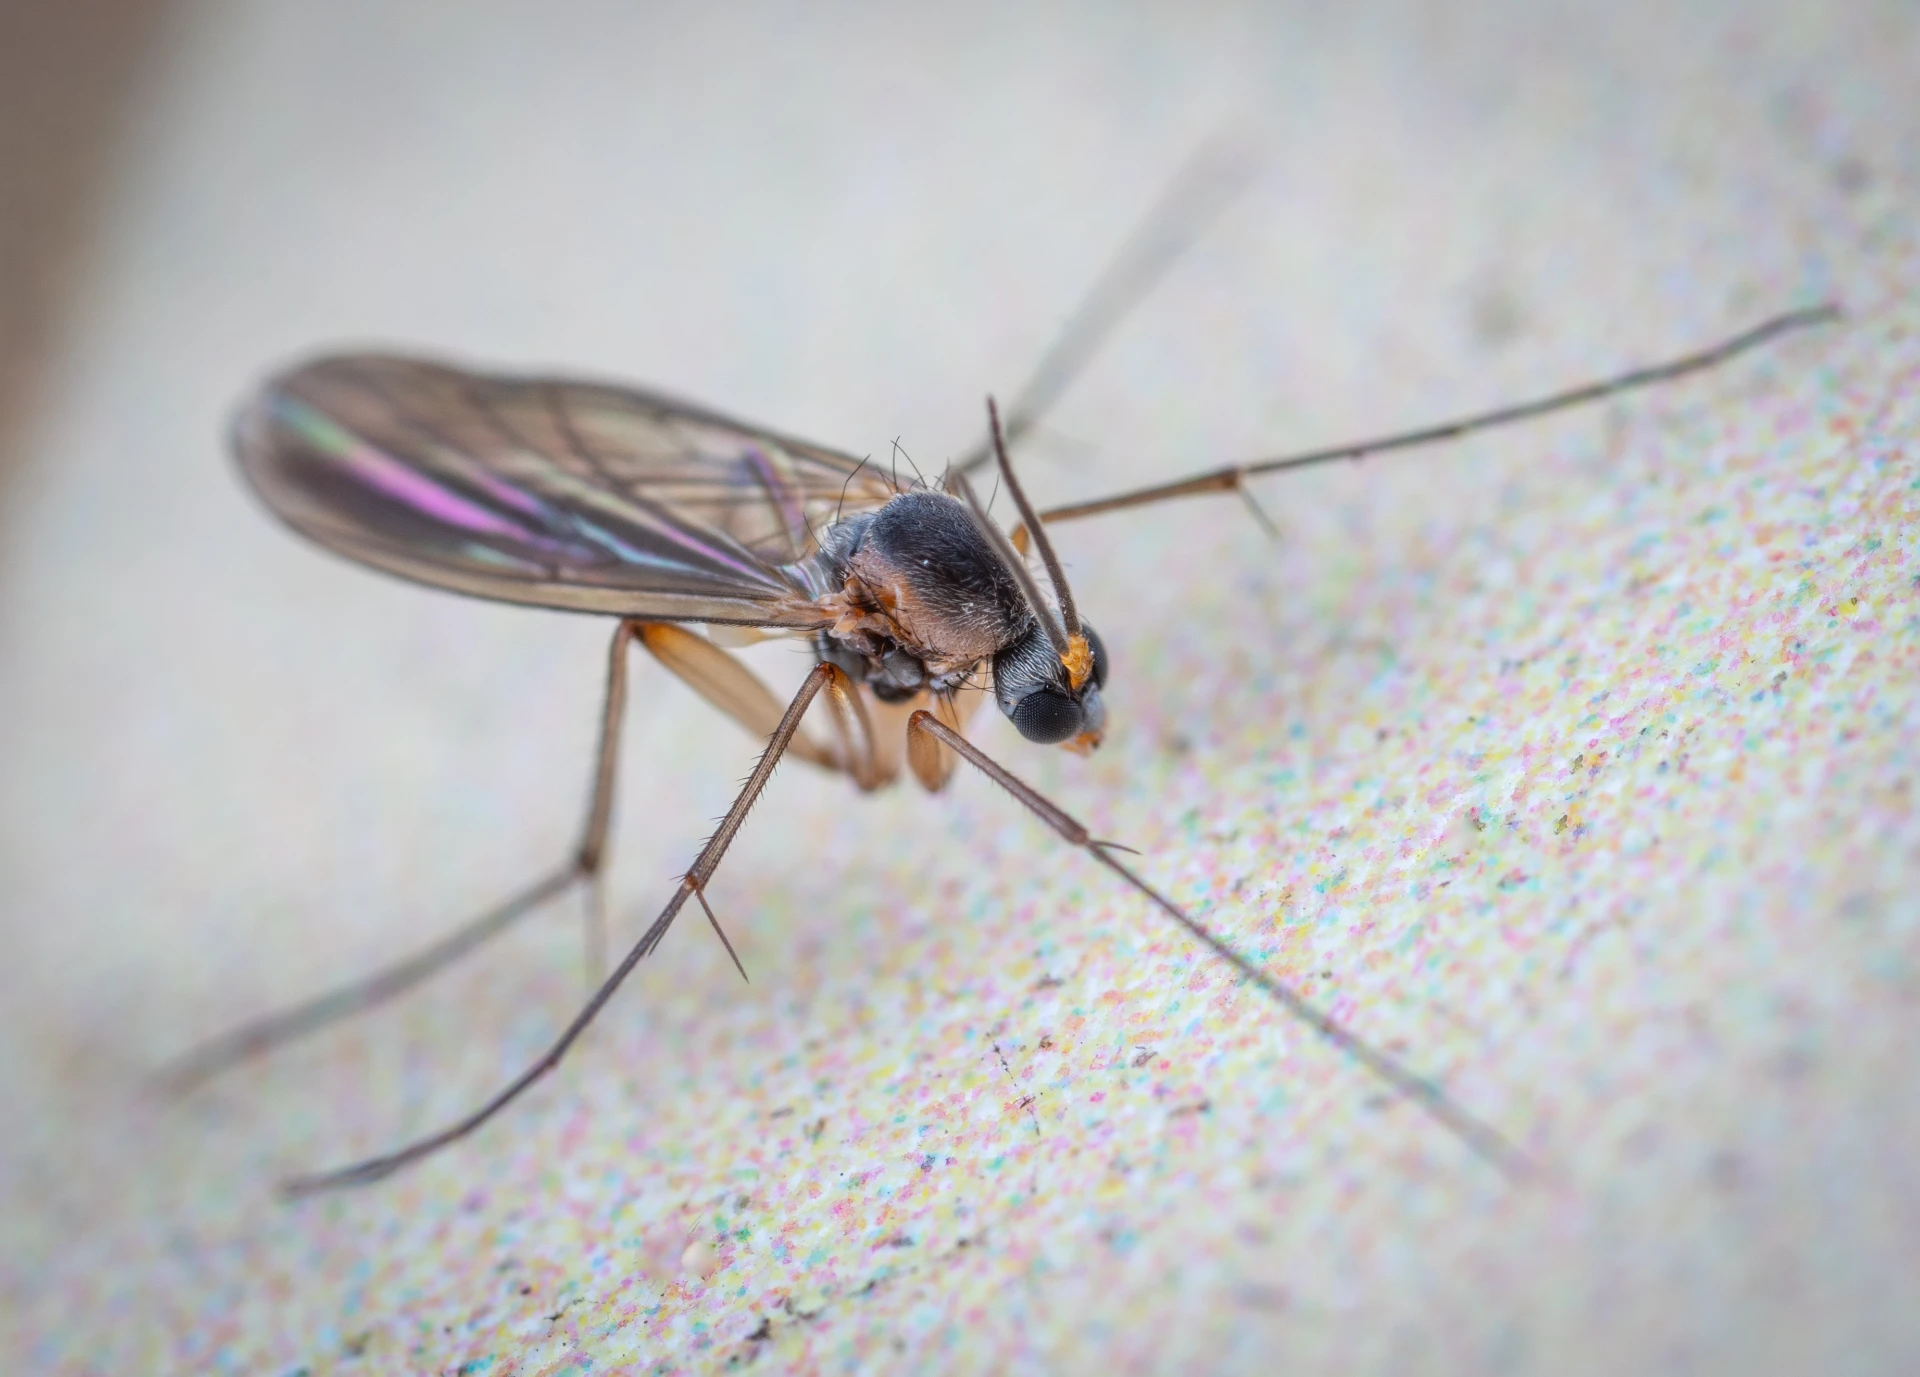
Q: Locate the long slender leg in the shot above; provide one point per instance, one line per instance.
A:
(275, 1030)
(1475, 1134)
(853, 730)
(729, 685)
(932, 765)
(734, 689)
(593, 928)
(1201, 190)
(693, 884)
(858, 755)
(710, 671)
(1234, 477)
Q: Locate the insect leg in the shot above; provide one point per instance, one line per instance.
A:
(931, 762)
(1233, 478)
(594, 930)
(714, 674)
(275, 1030)
(1484, 1140)
(692, 884)
(737, 691)
(1201, 190)
(853, 730)
(727, 684)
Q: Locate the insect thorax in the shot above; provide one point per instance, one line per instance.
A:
(919, 598)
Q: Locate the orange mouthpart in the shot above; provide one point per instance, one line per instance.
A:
(1078, 661)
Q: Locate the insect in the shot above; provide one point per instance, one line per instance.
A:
(664, 515)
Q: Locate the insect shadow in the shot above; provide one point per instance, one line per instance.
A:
(662, 514)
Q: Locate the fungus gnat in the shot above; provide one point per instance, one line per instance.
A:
(663, 515)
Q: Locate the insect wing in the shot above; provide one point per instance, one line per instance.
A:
(555, 492)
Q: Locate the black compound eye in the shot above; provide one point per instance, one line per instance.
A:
(1047, 716)
(1099, 655)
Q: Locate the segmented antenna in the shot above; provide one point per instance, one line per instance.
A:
(1069, 614)
(1016, 566)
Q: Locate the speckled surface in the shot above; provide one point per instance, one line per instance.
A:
(1577, 764)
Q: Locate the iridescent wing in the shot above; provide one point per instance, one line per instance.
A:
(550, 491)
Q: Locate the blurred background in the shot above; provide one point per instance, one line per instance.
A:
(68, 78)
(234, 770)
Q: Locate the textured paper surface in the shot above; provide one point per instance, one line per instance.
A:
(1576, 764)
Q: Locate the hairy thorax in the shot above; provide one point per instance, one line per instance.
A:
(923, 599)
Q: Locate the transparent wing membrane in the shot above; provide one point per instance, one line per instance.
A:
(559, 493)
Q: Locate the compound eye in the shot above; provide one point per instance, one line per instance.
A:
(1047, 716)
(1099, 655)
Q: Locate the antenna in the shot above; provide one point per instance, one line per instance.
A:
(1016, 566)
(1069, 614)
